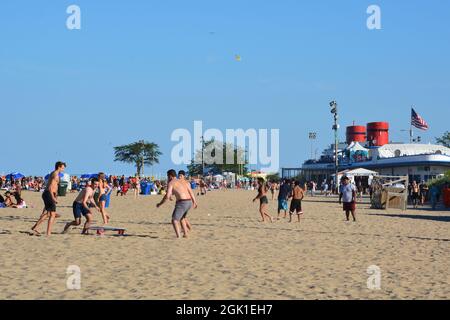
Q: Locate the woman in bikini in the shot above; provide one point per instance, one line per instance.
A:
(263, 200)
(104, 189)
(137, 186)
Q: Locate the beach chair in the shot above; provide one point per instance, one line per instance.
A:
(101, 230)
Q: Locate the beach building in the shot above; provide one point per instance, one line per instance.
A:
(373, 151)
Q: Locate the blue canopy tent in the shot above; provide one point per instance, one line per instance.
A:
(48, 176)
(14, 176)
(91, 175)
(87, 176)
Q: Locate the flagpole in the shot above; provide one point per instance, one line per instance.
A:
(410, 128)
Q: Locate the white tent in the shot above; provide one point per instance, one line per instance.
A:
(356, 146)
(360, 172)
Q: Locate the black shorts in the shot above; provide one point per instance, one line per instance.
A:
(296, 205)
(49, 204)
(263, 200)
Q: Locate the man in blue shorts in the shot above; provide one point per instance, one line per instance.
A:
(82, 207)
(283, 197)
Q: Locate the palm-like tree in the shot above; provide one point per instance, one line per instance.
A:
(139, 153)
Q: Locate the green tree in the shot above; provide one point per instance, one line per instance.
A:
(210, 148)
(274, 177)
(139, 153)
(444, 140)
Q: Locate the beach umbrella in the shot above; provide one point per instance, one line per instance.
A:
(15, 176)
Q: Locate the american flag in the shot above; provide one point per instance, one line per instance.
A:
(417, 121)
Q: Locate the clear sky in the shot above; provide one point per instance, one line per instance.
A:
(140, 69)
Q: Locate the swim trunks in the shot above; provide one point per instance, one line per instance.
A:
(349, 206)
(181, 209)
(78, 210)
(282, 204)
(50, 205)
(296, 205)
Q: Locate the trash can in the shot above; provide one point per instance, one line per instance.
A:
(145, 188)
(62, 188)
(108, 200)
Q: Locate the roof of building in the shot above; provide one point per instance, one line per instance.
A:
(401, 150)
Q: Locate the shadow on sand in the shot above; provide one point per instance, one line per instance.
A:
(414, 216)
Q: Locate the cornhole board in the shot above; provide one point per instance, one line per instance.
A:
(101, 230)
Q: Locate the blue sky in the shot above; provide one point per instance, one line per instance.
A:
(140, 69)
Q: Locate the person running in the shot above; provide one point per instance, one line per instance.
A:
(283, 197)
(415, 194)
(348, 196)
(104, 189)
(82, 206)
(263, 201)
(185, 200)
(49, 196)
(296, 202)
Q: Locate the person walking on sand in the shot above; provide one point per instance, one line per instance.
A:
(347, 195)
(182, 178)
(415, 194)
(273, 187)
(263, 200)
(82, 206)
(137, 187)
(104, 189)
(283, 197)
(296, 202)
(49, 196)
(185, 200)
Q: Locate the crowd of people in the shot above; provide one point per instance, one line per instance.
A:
(294, 191)
(421, 193)
(93, 193)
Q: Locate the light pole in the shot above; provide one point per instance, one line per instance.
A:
(334, 111)
(312, 137)
(203, 163)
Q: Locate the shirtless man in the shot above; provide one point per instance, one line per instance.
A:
(49, 198)
(182, 178)
(81, 206)
(184, 201)
(296, 202)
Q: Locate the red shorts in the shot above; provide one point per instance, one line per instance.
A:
(349, 206)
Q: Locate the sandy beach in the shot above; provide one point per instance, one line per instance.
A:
(230, 254)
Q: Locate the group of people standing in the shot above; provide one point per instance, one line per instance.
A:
(292, 190)
(286, 190)
(82, 206)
